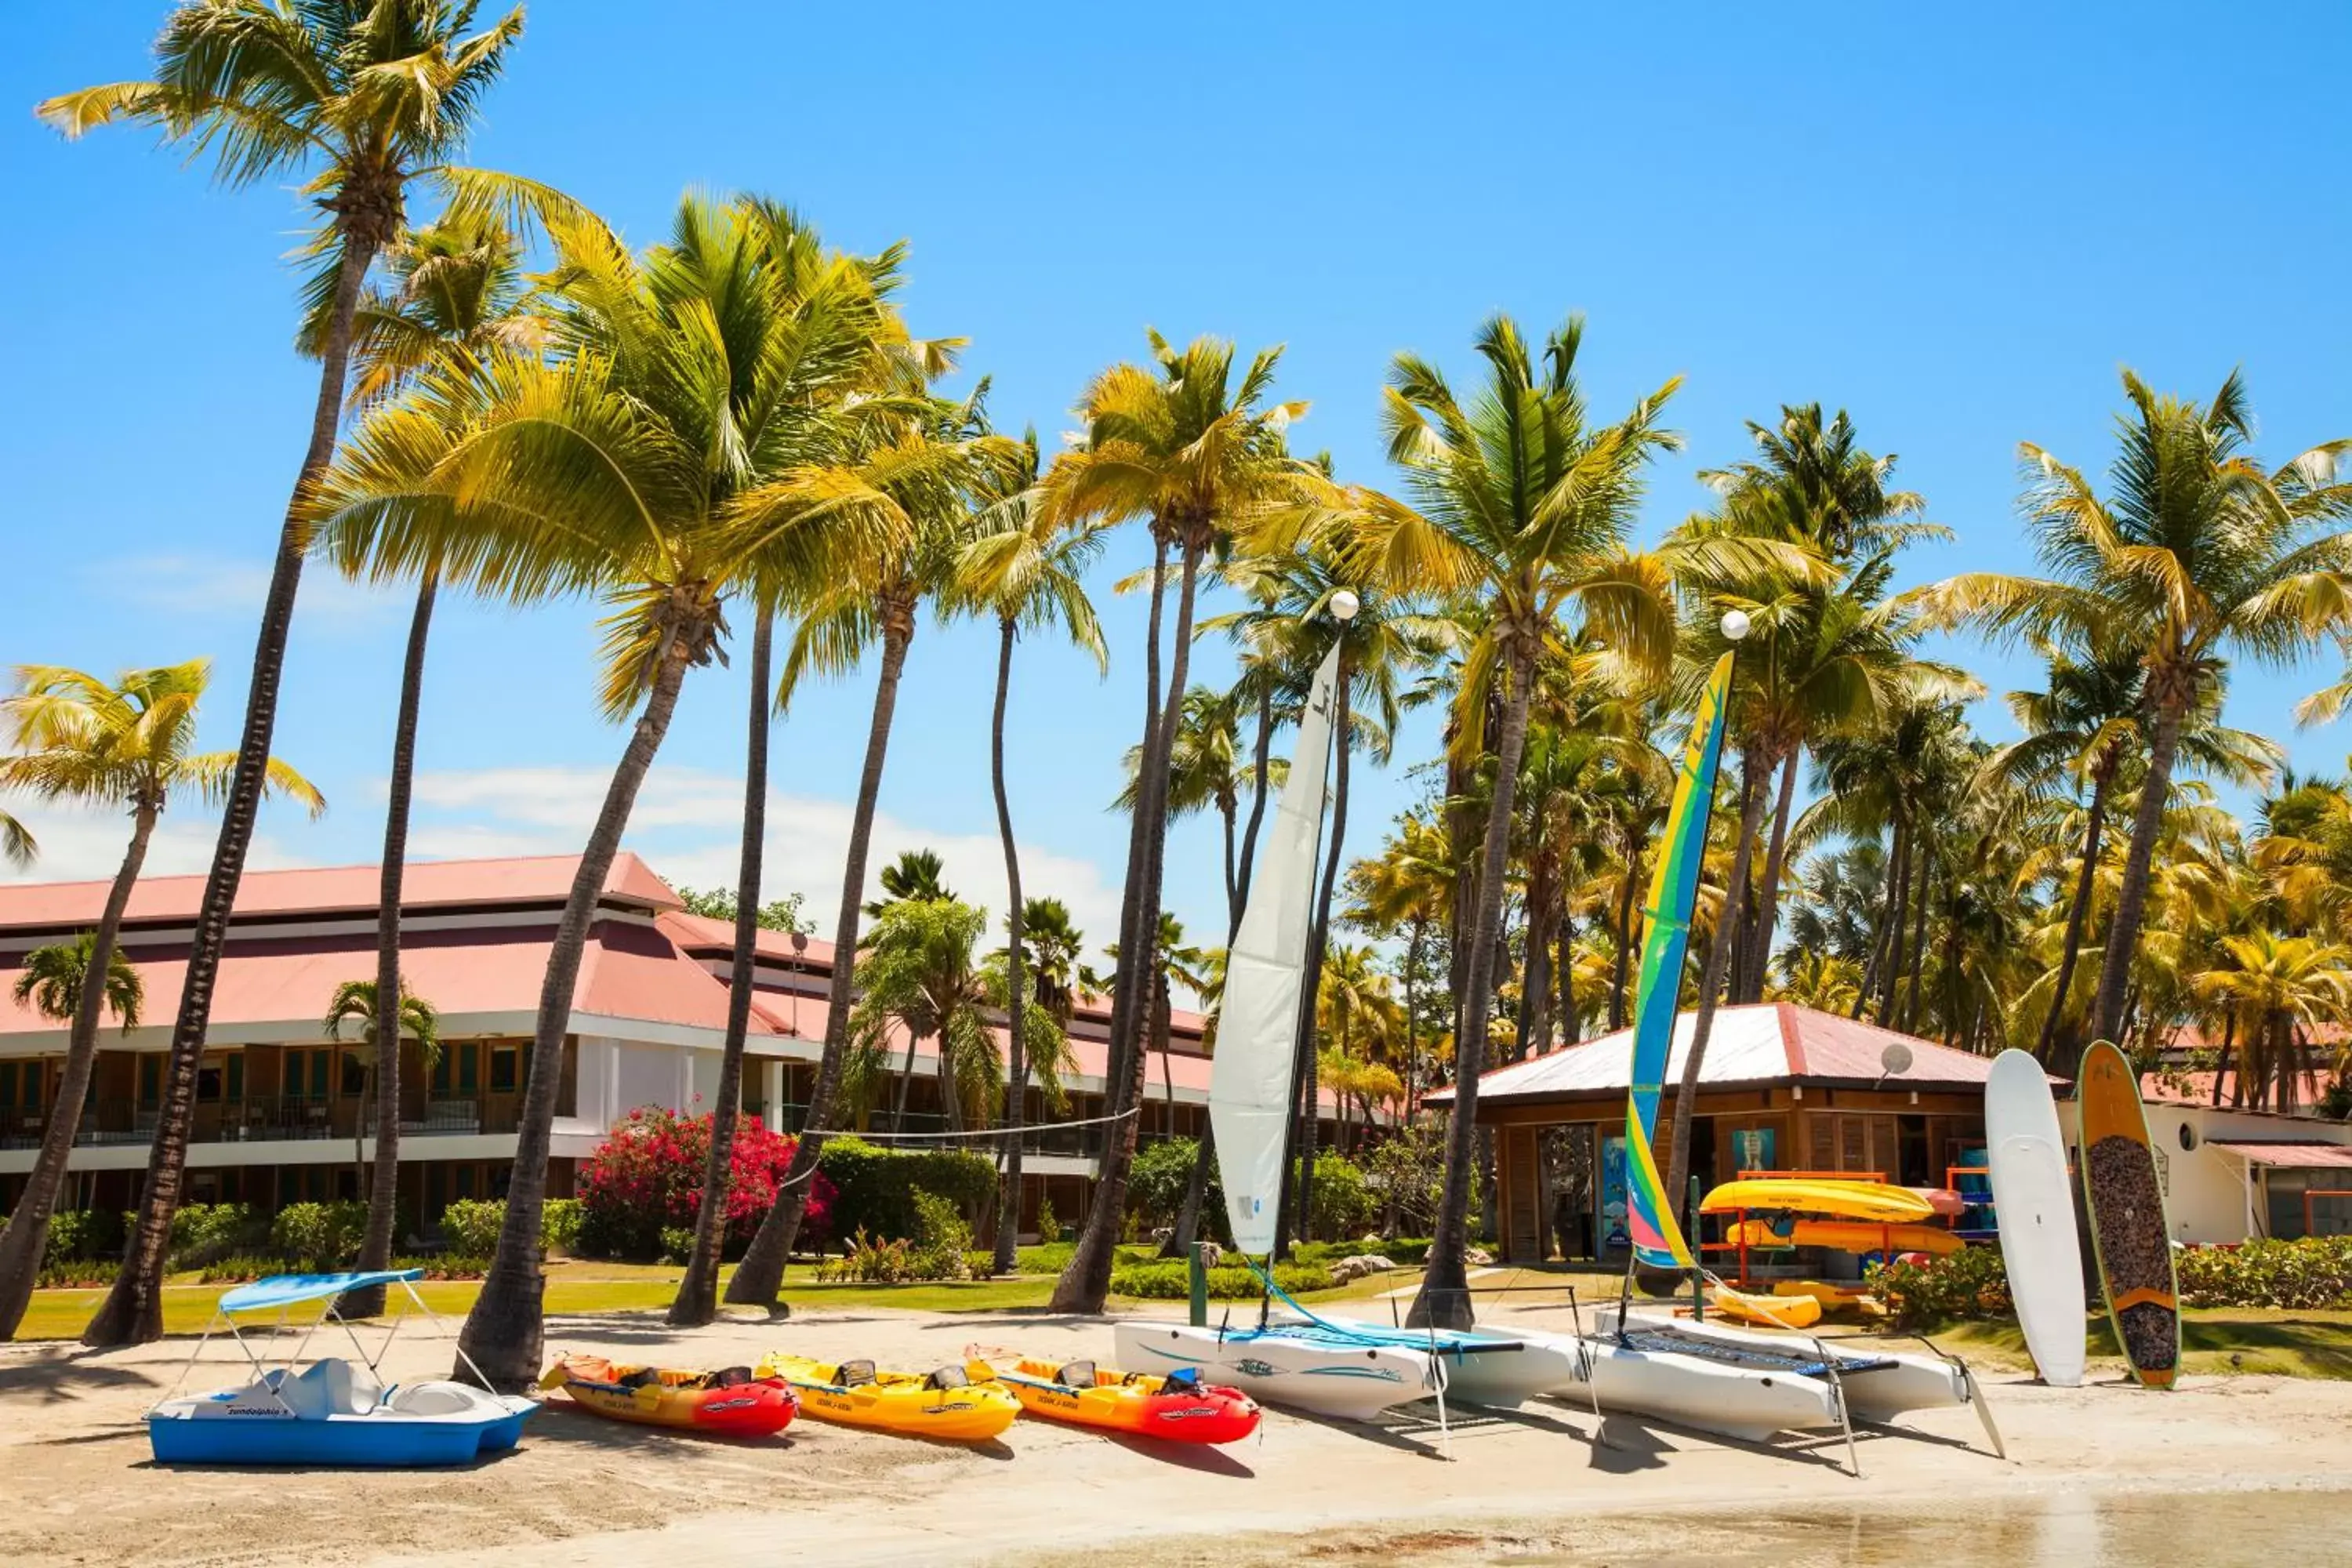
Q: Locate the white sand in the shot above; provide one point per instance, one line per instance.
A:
(583, 1493)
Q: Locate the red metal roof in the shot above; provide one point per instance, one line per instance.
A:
(1765, 1042)
(337, 889)
(2187, 1087)
(2306, 1155)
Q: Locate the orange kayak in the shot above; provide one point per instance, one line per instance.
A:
(729, 1403)
(1179, 1407)
(1846, 1236)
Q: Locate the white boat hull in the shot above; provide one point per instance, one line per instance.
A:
(1706, 1395)
(1907, 1383)
(1543, 1363)
(1353, 1383)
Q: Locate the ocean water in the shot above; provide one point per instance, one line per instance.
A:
(2070, 1529)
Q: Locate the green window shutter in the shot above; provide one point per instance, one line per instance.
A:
(468, 1067)
(237, 1075)
(151, 1076)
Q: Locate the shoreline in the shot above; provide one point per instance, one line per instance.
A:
(582, 1493)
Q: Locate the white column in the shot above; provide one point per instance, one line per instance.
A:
(771, 1092)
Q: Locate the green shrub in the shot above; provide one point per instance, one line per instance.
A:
(943, 1241)
(469, 1226)
(1049, 1229)
(1170, 1279)
(1344, 1203)
(319, 1235)
(877, 1260)
(202, 1232)
(1969, 1283)
(558, 1223)
(80, 1234)
(875, 1189)
(2312, 1273)
(70, 1273)
(1158, 1180)
(1410, 1252)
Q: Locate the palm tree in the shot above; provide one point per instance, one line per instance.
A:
(127, 745)
(354, 1002)
(52, 977)
(457, 299)
(1027, 567)
(915, 874)
(1818, 659)
(361, 101)
(637, 463)
(2200, 552)
(1407, 887)
(2276, 989)
(918, 465)
(1525, 506)
(2082, 729)
(19, 848)
(1194, 451)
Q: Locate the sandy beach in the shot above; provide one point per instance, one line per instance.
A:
(1547, 1485)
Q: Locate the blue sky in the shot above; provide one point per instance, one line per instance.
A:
(1955, 223)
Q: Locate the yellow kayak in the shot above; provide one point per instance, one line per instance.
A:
(953, 1403)
(1874, 1201)
(1770, 1311)
(1832, 1298)
(1847, 1236)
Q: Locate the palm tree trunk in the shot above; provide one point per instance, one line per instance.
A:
(1444, 1300)
(1920, 902)
(27, 1234)
(760, 1274)
(906, 1078)
(1570, 1027)
(376, 1247)
(1413, 1011)
(1086, 1282)
(1718, 954)
(2131, 898)
(132, 1312)
(2221, 1067)
(1620, 966)
(1741, 910)
(1187, 1218)
(697, 1302)
(2078, 917)
(1257, 809)
(1776, 854)
(1306, 1078)
(1890, 970)
(502, 1333)
(359, 1115)
(1016, 960)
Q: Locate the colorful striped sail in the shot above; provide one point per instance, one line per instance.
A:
(1649, 1213)
(1665, 937)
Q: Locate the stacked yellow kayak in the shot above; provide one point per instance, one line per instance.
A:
(1872, 1201)
(1768, 1311)
(952, 1404)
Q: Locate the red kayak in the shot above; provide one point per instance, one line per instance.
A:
(729, 1403)
(1178, 1407)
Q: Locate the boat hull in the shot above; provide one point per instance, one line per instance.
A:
(1537, 1364)
(1707, 1396)
(1145, 1408)
(897, 1403)
(180, 1433)
(1906, 1382)
(1352, 1383)
(679, 1401)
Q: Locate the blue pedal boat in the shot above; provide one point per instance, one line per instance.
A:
(333, 1412)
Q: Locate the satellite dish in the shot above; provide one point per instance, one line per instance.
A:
(1895, 1059)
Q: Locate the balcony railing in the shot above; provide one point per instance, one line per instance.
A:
(265, 1118)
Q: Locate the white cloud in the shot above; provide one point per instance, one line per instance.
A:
(79, 846)
(221, 586)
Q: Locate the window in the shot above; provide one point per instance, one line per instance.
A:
(237, 1075)
(208, 1085)
(469, 1068)
(20, 1087)
(355, 1075)
(151, 1081)
(504, 1060)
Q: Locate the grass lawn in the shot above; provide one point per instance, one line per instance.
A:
(2299, 1343)
(580, 1286)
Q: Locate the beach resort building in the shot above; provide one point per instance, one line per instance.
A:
(279, 1115)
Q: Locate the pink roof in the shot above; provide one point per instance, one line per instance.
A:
(2185, 1088)
(2335, 1156)
(626, 971)
(701, 934)
(545, 879)
(1762, 1042)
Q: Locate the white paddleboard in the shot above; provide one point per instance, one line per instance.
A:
(2034, 1205)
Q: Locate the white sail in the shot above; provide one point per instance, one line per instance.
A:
(1257, 1020)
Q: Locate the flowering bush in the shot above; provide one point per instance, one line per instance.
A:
(647, 1178)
